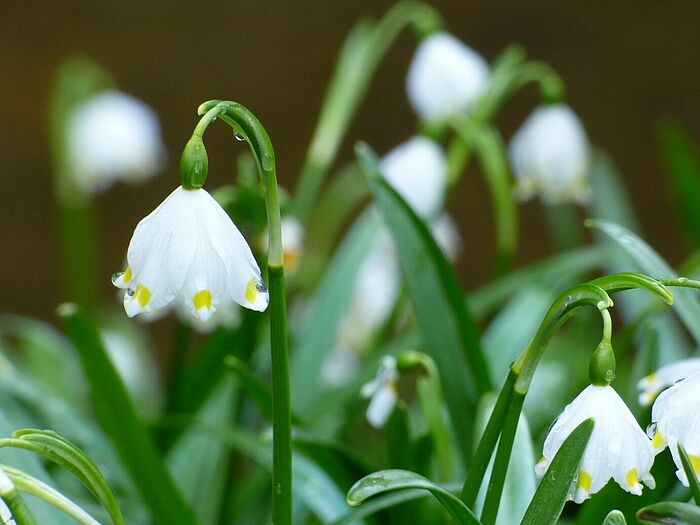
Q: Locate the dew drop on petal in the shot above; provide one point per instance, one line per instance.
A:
(651, 430)
(130, 292)
(260, 286)
(116, 276)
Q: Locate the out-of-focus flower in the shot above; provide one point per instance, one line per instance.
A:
(188, 250)
(446, 236)
(382, 392)
(417, 170)
(445, 77)
(550, 156)
(110, 137)
(675, 420)
(617, 448)
(664, 377)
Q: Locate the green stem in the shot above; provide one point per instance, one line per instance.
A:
(487, 143)
(248, 127)
(564, 226)
(18, 508)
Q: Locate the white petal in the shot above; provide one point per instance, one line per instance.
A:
(417, 170)
(665, 376)
(381, 406)
(550, 155)
(446, 235)
(445, 77)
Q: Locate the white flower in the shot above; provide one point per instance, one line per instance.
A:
(676, 420)
(417, 170)
(550, 156)
(617, 448)
(446, 236)
(383, 391)
(664, 377)
(292, 242)
(189, 251)
(113, 136)
(445, 77)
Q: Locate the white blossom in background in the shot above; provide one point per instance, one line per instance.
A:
(111, 137)
(188, 251)
(446, 236)
(445, 77)
(617, 448)
(550, 156)
(664, 377)
(382, 392)
(417, 170)
(675, 420)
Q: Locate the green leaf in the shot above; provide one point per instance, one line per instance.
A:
(551, 495)
(615, 518)
(619, 282)
(391, 480)
(118, 417)
(29, 484)
(449, 332)
(650, 262)
(59, 450)
(319, 329)
(670, 513)
(690, 474)
(199, 461)
(683, 167)
(378, 503)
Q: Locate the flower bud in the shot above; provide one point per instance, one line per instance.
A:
(194, 164)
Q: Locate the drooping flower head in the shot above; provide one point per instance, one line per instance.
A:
(110, 137)
(675, 420)
(188, 251)
(664, 377)
(382, 392)
(550, 156)
(617, 448)
(445, 77)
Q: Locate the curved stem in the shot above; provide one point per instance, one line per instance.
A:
(247, 126)
(14, 501)
(488, 145)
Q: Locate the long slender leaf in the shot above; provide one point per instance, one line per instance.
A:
(551, 495)
(450, 334)
(615, 517)
(670, 513)
(392, 480)
(385, 501)
(687, 304)
(690, 474)
(117, 415)
(320, 327)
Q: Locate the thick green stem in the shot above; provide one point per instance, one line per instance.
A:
(14, 501)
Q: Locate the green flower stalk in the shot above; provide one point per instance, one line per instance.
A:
(15, 503)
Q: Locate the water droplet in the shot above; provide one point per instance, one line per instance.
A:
(651, 430)
(116, 276)
(278, 488)
(260, 287)
(239, 137)
(267, 162)
(130, 292)
(682, 279)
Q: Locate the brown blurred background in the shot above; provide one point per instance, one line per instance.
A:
(626, 64)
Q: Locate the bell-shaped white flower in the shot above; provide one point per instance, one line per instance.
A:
(664, 377)
(113, 136)
(189, 251)
(445, 77)
(617, 448)
(417, 170)
(675, 420)
(382, 392)
(292, 242)
(550, 156)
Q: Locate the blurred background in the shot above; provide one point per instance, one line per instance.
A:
(626, 65)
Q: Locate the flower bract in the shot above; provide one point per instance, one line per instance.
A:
(550, 156)
(188, 251)
(675, 420)
(445, 77)
(617, 448)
